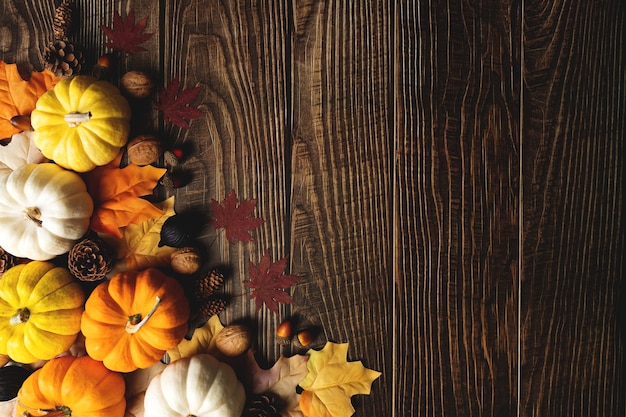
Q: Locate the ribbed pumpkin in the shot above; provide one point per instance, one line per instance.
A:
(82, 123)
(131, 320)
(40, 311)
(70, 386)
(44, 209)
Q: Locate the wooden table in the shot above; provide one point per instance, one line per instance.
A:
(446, 178)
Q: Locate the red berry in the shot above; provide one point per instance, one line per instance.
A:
(105, 61)
(178, 152)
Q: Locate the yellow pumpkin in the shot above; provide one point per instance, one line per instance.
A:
(81, 123)
(40, 311)
(44, 209)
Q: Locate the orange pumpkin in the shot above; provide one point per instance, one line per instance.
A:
(131, 320)
(67, 386)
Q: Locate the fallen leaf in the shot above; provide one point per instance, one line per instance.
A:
(235, 217)
(268, 282)
(18, 97)
(117, 195)
(332, 381)
(126, 34)
(142, 240)
(136, 384)
(21, 150)
(175, 104)
(202, 341)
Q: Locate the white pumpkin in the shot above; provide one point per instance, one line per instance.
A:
(44, 210)
(21, 150)
(199, 386)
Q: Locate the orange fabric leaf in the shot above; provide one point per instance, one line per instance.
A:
(117, 195)
(18, 97)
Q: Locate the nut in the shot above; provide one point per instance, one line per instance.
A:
(185, 260)
(137, 84)
(233, 340)
(144, 150)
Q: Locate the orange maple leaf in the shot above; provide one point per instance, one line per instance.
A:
(19, 97)
(117, 193)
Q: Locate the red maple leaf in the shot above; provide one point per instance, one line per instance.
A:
(268, 282)
(176, 104)
(235, 219)
(126, 34)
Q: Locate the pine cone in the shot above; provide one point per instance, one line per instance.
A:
(62, 58)
(212, 307)
(7, 261)
(62, 21)
(260, 405)
(90, 260)
(208, 284)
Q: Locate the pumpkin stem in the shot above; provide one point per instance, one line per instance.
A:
(33, 214)
(21, 316)
(135, 322)
(76, 118)
(60, 411)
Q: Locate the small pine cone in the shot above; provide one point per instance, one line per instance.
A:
(212, 307)
(7, 261)
(90, 260)
(208, 284)
(260, 405)
(62, 58)
(62, 21)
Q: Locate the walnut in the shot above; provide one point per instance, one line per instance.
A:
(144, 150)
(233, 340)
(185, 260)
(137, 84)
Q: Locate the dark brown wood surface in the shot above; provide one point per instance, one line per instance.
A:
(446, 178)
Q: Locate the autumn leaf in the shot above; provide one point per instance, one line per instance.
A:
(126, 34)
(268, 282)
(116, 193)
(136, 384)
(142, 240)
(175, 104)
(202, 341)
(332, 381)
(235, 217)
(19, 97)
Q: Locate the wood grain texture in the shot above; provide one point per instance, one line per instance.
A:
(456, 208)
(235, 51)
(573, 143)
(341, 165)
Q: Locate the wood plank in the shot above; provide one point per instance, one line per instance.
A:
(456, 207)
(236, 53)
(573, 242)
(341, 170)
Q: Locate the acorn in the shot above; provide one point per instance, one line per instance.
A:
(306, 337)
(284, 332)
(21, 122)
(137, 84)
(233, 340)
(186, 260)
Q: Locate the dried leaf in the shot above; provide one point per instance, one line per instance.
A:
(142, 240)
(268, 282)
(126, 34)
(202, 341)
(116, 193)
(136, 384)
(332, 381)
(175, 104)
(19, 97)
(235, 217)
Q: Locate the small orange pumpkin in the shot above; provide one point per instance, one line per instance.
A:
(69, 386)
(131, 320)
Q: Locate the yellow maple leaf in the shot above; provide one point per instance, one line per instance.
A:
(142, 240)
(332, 381)
(202, 341)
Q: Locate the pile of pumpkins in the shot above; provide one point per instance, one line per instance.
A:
(126, 322)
